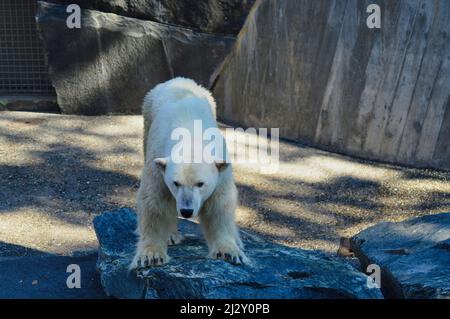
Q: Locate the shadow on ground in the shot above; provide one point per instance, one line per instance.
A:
(42, 275)
(59, 171)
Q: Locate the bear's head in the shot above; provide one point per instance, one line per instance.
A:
(191, 184)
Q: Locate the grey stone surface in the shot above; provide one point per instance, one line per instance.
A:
(111, 62)
(276, 271)
(414, 256)
(316, 71)
(44, 277)
(212, 16)
(29, 103)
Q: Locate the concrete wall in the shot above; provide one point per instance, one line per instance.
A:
(315, 70)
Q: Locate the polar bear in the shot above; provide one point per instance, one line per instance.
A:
(169, 188)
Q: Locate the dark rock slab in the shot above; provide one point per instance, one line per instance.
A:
(29, 104)
(212, 16)
(276, 271)
(110, 63)
(414, 256)
(44, 277)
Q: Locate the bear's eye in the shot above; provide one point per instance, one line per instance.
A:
(199, 184)
(176, 184)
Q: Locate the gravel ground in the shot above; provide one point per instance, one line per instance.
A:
(57, 172)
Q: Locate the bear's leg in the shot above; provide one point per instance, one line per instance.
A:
(220, 229)
(154, 228)
(175, 238)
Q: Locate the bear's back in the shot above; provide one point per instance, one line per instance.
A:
(172, 91)
(171, 105)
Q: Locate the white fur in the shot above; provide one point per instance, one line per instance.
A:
(174, 104)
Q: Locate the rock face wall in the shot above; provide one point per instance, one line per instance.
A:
(315, 70)
(111, 62)
(211, 16)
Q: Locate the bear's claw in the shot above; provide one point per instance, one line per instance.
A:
(232, 254)
(175, 238)
(147, 257)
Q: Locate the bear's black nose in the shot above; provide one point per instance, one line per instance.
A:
(186, 213)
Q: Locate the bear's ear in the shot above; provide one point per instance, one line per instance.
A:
(161, 163)
(221, 165)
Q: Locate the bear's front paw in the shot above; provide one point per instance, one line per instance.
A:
(229, 252)
(149, 256)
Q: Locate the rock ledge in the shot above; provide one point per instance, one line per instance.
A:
(276, 271)
(414, 256)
